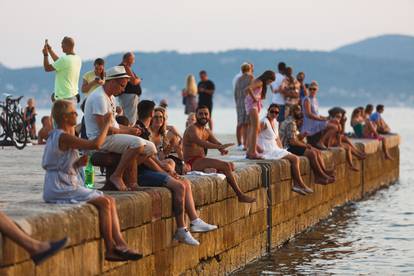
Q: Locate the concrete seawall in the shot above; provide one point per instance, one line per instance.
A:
(245, 231)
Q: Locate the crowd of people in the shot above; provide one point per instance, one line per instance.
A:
(116, 120)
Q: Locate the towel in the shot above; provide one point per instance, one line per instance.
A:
(219, 175)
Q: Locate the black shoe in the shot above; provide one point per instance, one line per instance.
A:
(54, 248)
(127, 254)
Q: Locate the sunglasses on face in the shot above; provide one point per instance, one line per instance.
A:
(274, 111)
(312, 89)
(73, 113)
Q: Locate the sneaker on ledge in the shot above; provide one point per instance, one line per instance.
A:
(182, 235)
(198, 225)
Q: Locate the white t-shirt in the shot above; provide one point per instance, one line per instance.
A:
(277, 97)
(98, 103)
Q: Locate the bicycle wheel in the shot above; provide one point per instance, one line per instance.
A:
(18, 130)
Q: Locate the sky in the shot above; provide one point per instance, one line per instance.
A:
(105, 27)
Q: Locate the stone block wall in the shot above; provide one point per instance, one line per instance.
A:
(246, 231)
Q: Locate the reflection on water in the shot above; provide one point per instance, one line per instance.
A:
(374, 236)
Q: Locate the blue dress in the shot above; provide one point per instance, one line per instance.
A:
(312, 126)
(63, 183)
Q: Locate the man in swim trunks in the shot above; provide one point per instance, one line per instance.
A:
(197, 138)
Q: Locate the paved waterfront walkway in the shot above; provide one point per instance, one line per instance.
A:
(21, 178)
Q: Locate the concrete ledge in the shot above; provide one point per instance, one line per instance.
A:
(245, 231)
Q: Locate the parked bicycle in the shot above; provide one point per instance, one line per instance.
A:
(12, 128)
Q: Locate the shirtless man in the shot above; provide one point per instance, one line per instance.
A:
(197, 138)
(44, 131)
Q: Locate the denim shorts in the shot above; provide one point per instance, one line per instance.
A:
(152, 178)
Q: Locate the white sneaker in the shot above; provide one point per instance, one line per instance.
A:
(240, 148)
(198, 225)
(182, 235)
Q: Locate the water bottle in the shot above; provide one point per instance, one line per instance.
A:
(89, 174)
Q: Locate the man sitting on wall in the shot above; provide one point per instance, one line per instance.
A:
(196, 139)
(154, 174)
(120, 139)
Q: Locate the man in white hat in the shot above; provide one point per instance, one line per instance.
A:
(121, 139)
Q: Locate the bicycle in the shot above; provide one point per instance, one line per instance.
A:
(12, 127)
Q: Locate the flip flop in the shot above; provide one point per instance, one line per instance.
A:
(54, 248)
(128, 254)
(299, 190)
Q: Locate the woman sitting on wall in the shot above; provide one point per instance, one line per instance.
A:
(365, 128)
(318, 129)
(63, 182)
(167, 141)
(295, 143)
(269, 141)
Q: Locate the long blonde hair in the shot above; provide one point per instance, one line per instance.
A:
(191, 86)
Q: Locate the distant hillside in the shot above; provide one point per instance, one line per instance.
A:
(344, 78)
(387, 46)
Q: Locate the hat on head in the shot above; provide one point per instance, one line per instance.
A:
(116, 72)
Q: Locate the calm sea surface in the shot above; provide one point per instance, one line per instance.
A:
(374, 236)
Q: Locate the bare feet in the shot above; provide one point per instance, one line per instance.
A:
(331, 173)
(322, 180)
(355, 169)
(118, 183)
(361, 156)
(321, 146)
(259, 149)
(246, 199)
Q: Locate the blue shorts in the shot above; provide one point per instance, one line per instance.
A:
(152, 178)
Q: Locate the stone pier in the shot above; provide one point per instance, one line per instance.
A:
(246, 231)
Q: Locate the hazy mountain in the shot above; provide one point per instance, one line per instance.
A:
(387, 46)
(344, 78)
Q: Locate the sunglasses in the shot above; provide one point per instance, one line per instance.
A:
(312, 89)
(73, 113)
(274, 111)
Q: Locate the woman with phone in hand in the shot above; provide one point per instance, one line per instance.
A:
(94, 78)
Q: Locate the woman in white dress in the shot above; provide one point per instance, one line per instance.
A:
(269, 141)
(63, 183)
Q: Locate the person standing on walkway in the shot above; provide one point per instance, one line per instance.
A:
(67, 69)
(130, 97)
(278, 96)
(190, 95)
(205, 94)
(239, 96)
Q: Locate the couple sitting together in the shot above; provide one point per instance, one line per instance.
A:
(61, 160)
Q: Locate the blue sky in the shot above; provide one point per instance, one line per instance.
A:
(104, 27)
